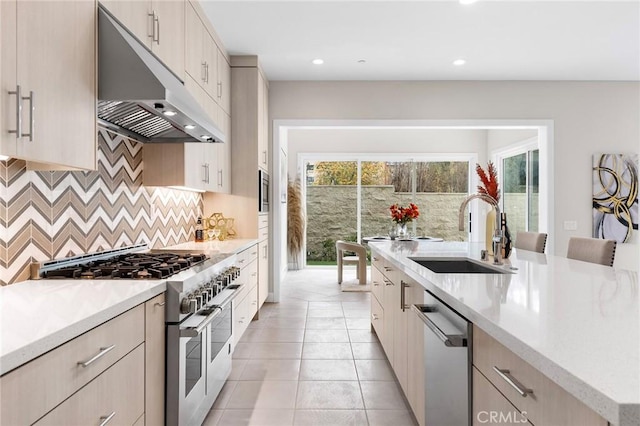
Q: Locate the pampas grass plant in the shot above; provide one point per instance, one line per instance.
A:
(295, 220)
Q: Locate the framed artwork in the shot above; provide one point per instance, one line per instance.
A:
(615, 196)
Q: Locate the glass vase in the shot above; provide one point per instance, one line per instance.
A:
(402, 231)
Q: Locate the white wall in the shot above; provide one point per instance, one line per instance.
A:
(589, 117)
(497, 139)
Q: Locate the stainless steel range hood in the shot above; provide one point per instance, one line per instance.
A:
(138, 95)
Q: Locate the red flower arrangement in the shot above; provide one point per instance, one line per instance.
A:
(489, 181)
(402, 215)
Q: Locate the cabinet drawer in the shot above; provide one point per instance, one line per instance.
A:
(53, 377)
(377, 284)
(247, 256)
(263, 221)
(377, 318)
(548, 404)
(252, 303)
(251, 272)
(490, 406)
(118, 392)
(263, 233)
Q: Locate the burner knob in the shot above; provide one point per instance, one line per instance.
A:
(188, 305)
(220, 282)
(203, 295)
(199, 299)
(236, 271)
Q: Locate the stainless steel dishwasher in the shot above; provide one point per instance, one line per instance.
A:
(447, 362)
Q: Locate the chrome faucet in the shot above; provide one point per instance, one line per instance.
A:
(497, 236)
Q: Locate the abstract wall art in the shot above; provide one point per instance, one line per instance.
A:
(615, 196)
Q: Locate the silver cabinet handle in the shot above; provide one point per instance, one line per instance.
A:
(155, 37)
(265, 252)
(159, 303)
(206, 72)
(220, 181)
(403, 287)
(387, 269)
(374, 317)
(219, 89)
(264, 156)
(241, 261)
(18, 93)
(375, 259)
(158, 34)
(387, 282)
(507, 377)
(254, 274)
(106, 419)
(449, 340)
(204, 172)
(103, 352)
(203, 72)
(32, 120)
(376, 283)
(208, 174)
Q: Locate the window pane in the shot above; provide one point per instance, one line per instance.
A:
(534, 190)
(514, 192)
(331, 208)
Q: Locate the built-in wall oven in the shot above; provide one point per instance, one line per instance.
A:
(263, 191)
(199, 340)
(447, 362)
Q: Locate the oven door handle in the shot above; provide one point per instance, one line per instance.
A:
(196, 331)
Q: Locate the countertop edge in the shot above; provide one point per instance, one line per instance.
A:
(620, 414)
(25, 354)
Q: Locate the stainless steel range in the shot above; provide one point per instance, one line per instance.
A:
(199, 323)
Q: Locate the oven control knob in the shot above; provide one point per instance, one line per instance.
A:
(236, 271)
(220, 282)
(203, 295)
(188, 305)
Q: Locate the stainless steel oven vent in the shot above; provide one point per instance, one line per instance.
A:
(135, 118)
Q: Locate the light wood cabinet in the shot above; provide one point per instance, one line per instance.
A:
(116, 396)
(377, 318)
(201, 53)
(224, 83)
(391, 298)
(158, 24)
(154, 360)
(490, 406)
(58, 97)
(263, 271)
(547, 402)
(415, 357)
(263, 122)
(401, 314)
(223, 157)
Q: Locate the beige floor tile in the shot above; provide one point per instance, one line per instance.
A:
(374, 369)
(325, 313)
(257, 417)
(327, 351)
(329, 395)
(263, 394)
(362, 336)
(243, 350)
(382, 396)
(325, 305)
(251, 335)
(237, 367)
(327, 369)
(326, 324)
(283, 335)
(224, 395)
(326, 336)
(213, 418)
(356, 305)
(288, 313)
(390, 418)
(371, 350)
(358, 323)
(358, 313)
(330, 418)
(285, 322)
(271, 369)
(274, 350)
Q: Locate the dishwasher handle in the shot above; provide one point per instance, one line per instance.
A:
(449, 340)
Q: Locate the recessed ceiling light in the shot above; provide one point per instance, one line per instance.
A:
(467, 1)
(459, 62)
(169, 113)
(317, 61)
(189, 127)
(362, 61)
(205, 137)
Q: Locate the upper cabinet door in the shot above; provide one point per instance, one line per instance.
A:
(168, 34)
(8, 81)
(194, 50)
(211, 70)
(136, 16)
(56, 69)
(224, 83)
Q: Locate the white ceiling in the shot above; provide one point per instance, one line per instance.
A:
(419, 40)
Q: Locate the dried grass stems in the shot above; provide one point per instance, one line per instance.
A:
(295, 220)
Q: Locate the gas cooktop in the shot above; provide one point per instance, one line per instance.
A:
(120, 264)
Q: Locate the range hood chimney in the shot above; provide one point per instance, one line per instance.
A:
(139, 97)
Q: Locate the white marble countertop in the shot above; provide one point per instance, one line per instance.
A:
(576, 322)
(37, 316)
(212, 247)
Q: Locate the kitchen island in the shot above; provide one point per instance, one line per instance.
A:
(577, 323)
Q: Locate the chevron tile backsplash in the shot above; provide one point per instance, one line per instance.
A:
(49, 215)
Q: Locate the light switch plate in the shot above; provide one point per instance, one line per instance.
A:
(570, 225)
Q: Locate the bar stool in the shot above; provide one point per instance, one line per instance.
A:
(359, 259)
(592, 250)
(532, 241)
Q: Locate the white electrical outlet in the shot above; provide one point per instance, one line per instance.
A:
(570, 225)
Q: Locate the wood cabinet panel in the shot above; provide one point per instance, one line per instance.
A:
(377, 282)
(263, 272)
(51, 378)
(415, 357)
(390, 302)
(490, 406)
(194, 45)
(401, 332)
(169, 44)
(117, 393)
(377, 318)
(224, 82)
(134, 15)
(59, 76)
(154, 360)
(548, 403)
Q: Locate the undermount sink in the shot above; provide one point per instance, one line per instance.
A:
(458, 265)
